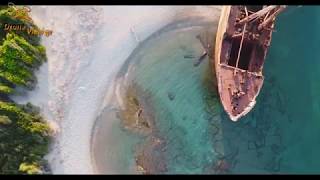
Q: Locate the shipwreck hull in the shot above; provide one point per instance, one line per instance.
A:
(240, 52)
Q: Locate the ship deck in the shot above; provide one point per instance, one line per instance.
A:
(239, 90)
(240, 54)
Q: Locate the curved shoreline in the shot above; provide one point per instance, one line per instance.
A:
(82, 61)
(176, 24)
(54, 95)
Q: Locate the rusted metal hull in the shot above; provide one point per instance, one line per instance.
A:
(239, 59)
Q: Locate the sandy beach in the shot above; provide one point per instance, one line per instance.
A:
(86, 50)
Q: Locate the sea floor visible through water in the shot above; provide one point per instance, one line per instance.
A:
(280, 135)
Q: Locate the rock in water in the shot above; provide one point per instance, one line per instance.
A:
(171, 96)
(188, 56)
(201, 58)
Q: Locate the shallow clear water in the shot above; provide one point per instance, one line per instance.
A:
(182, 122)
(280, 135)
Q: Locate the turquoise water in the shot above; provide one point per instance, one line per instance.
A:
(294, 65)
(181, 122)
(282, 132)
(280, 135)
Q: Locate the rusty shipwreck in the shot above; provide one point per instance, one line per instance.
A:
(242, 41)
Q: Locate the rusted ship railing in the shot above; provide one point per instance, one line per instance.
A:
(242, 38)
(271, 18)
(267, 19)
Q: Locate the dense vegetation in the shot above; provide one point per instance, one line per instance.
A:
(24, 136)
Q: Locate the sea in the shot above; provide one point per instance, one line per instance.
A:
(280, 135)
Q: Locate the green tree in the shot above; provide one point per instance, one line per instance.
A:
(7, 17)
(24, 135)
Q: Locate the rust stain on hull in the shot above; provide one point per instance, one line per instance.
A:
(242, 41)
